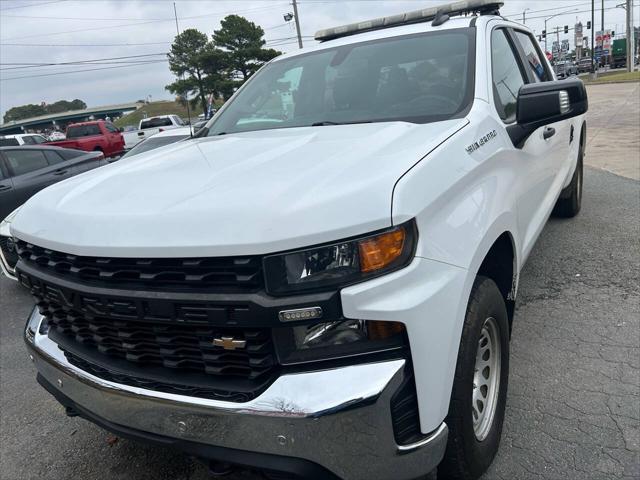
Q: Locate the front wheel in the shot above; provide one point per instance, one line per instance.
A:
(478, 400)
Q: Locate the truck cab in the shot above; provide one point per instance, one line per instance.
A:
(323, 282)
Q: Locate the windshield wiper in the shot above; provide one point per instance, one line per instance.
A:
(327, 122)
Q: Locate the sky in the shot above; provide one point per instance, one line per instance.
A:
(57, 31)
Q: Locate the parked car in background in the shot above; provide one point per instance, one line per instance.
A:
(25, 170)
(584, 65)
(28, 138)
(565, 69)
(159, 140)
(56, 136)
(98, 136)
(150, 126)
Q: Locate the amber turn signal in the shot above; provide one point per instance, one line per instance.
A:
(380, 251)
(381, 330)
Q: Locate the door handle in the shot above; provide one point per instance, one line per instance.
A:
(4, 187)
(548, 132)
(60, 172)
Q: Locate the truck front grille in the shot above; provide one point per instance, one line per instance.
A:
(170, 340)
(232, 274)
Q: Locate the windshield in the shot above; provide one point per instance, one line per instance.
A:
(152, 144)
(415, 78)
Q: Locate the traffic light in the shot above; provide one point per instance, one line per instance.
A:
(566, 29)
(544, 34)
(588, 25)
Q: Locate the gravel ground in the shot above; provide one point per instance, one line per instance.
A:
(573, 409)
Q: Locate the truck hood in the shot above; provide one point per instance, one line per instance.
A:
(249, 193)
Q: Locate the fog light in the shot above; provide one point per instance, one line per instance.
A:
(310, 313)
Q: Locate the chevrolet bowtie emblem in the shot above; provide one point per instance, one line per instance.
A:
(229, 343)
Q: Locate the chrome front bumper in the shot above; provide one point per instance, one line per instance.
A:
(338, 418)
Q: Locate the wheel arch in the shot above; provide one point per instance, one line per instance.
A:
(500, 265)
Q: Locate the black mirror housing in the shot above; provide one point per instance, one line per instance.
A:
(543, 103)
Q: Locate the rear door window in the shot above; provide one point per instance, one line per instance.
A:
(38, 139)
(93, 129)
(155, 123)
(53, 157)
(111, 128)
(69, 154)
(507, 76)
(25, 161)
(77, 131)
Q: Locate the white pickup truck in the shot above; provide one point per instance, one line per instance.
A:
(151, 126)
(324, 281)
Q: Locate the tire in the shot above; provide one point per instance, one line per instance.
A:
(473, 440)
(570, 201)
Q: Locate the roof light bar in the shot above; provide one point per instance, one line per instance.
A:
(416, 16)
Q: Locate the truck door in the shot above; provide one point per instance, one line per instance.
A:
(540, 160)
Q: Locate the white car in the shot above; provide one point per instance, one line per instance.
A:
(150, 126)
(28, 138)
(329, 291)
(56, 136)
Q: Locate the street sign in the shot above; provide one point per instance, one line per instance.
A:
(565, 46)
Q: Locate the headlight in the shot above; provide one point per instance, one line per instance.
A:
(341, 263)
(337, 339)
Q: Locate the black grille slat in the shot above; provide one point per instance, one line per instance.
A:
(232, 273)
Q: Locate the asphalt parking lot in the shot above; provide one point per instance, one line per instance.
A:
(573, 408)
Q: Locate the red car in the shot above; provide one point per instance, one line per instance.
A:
(93, 136)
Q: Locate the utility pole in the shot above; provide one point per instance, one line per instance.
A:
(593, 27)
(602, 30)
(523, 15)
(175, 13)
(631, 41)
(295, 16)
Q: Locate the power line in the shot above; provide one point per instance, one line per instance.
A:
(82, 44)
(79, 71)
(31, 5)
(124, 25)
(49, 17)
(563, 7)
(77, 62)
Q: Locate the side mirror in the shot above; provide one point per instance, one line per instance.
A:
(121, 129)
(542, 103)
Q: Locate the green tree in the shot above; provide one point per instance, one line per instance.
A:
(243, 43)
(187, 61)
(65, 106)
(24, 111)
